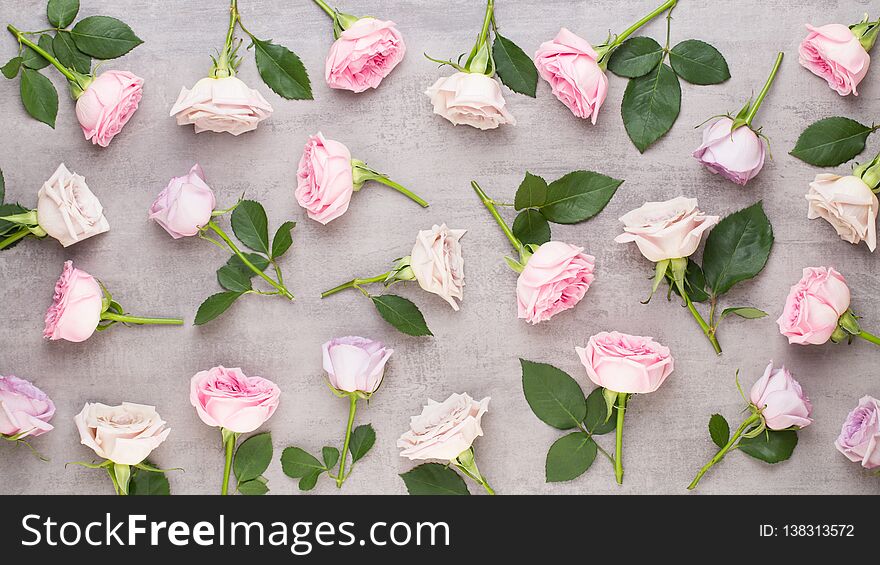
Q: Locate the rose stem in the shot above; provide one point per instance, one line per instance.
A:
(324, 6)
(490, 205)
(354, 283)
(280, 288)
(141, 321)
(403, 190)
(42, 52)
(754, 109)
(633, 28)
(869, 337)
(229, 439)
(723, 451)
(13, 238)
(352, 408)
(618, 440)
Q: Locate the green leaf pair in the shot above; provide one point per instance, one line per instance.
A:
(300, 464)
(832, 141)
(251, 460)
(770, 446)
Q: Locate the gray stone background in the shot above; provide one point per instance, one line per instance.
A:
(476, 349)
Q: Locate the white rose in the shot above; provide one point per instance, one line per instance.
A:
(473, 99)
(221, 105)
(848, 204)
(125, 434)
(666, 230)
(67, 210)
(437, 263)
(444, 429)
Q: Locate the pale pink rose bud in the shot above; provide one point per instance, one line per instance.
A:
(666, 230)
(444, 429)
(554, 279)
(738, 157)
(186, 204)
(76, 307)
(25, 410)
(363, 55)
(107, 105)
(781, 400)
(227, 398)
(221, 105)
(814, 306)
(834, 53)
(859, 437)
(67, 210)
(437, 263)
(568, 63)
(848, 204)
(625, 363)
(473, 99)
(325, 181)
(355, 364)
(125, 434)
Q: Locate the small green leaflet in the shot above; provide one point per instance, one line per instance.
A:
(330, 455)
(553, 395)
(737, 248)
(215, 305)
(39, 96)
(746, 312)
(236, 276)
(148, 483)
(770, 446)
(402, 314)
(69, 55)
(103, 37)
(650, 106)
(33, 60)
(434, 479)
(530, 226)
(61, 13)
(255, 487)
(362, 440)
(251, 226)
(297, 463)
(282, 240)
(2, 188)
(698, 62)
(596, 420)
(719, 430)
(578, 196)
(635, 57)
(569, 457)
(831, 141)
(10, 69)
(515, 69)
(252, 457)
(532, 192)
(282, 70)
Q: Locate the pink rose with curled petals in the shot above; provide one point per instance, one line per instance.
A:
(364, 54)
(186, 204)
(228, 399)
(569, 64)
(859, 437)
(834, 53)
(25, 410)
(76, 307)
(325, 180)
(814, 306)
(473, 99)
(221, 105)
(738, 157)
(108, 104)
(554, 279)
(781, 400)
(625, 363)
(125, 434)
(666, 230)
(355, 364)
(437, 263)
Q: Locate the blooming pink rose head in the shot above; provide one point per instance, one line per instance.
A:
(555, 279)
(125, 434)
(848, 204)
(626, 363)
(221, 105)
(363, 55)
(325, 181)
(25, 410)
(834, 53)
(355, 364)
(814, 306)
(445, 429)
(76, 307)
(107, 105)
(227, 398)
(738, 157)
(569, 64)
(666, 230)
(859, 437)
(781, 400)
(186, 204)
(437, 263)
(472, 99)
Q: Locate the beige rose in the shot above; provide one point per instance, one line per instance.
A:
(125, 434)
(437, 263)
(67, 210)
(221, 105)
(444, 429)
(848, 204)
(666, 230)
(472, 99)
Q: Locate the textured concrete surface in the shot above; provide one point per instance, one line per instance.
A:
(476, 349)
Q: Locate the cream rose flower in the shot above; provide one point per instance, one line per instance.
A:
(125, 434)
(67, 210)
(666, 230)
(473, 99)
(221, 105)
(437, 263)
(444, 429)
(848, 204)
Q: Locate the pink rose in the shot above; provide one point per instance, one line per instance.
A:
(848, 204)
(472, 99)
(25, 410)
(221, 105)
(363, 55)
(859, 437)
(437, 263)
(125, 434)
(355, 364)
(666, 230)
(227, 398)
(814, 306)
(738, 157)
(76, 307)
(569, 64)
(107, 104)
(555, 279)
(780, 399)
(445, 429)
(325, 180)
(186, 204)
(625, 363)
(834, 53)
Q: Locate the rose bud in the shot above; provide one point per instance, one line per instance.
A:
(25, 410)
(472, 99)
(555, 278)
(185, 206)
(67, 210)
(444, 429)
(626, 363)
(364, 53)
(222, 105)
(666, 230)
(355, 364)
(839, 54)
(859, 438)
(108, 104)
(848, 204)
(570, 65)
(437, 263)
(228, 399)
(780, 400)
(124, 434)
(814, 306)
(76, 307)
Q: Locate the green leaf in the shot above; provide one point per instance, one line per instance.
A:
(578, 196)
(282, 240)
(69, 55)
(635, 57)
(148, 483)
(234, 279)
(771, 446)
(215, 305)
(569, 457)
(257, 260)
(746, 312)
(698, 62)
(530, 226)
(831, 141)
(2, 188)
(33, 60)
(434, 479)
(532, 192)
(553, 395)
(719, 430)
(330, 455)
(362, 440)
(402, 314)
(282, 70)
(10, 69)
(255, 487)
(650, 106)
(737, 248)
(103, 37)
(297, 463)
(61, 13)
(694, 282)
(309, 481)
(252, 457)
(251, 226)
(10, 210)
(596, 420)
(39, 96)
(515, 69)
